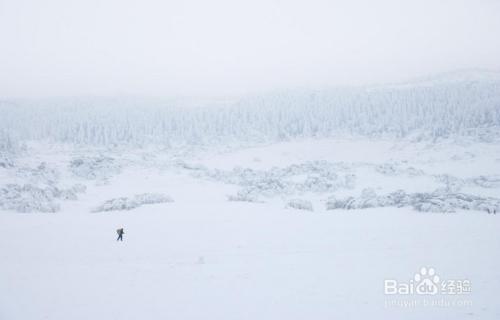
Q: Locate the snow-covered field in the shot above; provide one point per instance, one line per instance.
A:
(351, 203)
(248, 233)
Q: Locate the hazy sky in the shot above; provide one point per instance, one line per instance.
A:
(219, 47)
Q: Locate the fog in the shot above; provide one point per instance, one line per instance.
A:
(228, 47)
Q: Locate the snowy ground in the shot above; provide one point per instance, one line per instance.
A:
(204, 257)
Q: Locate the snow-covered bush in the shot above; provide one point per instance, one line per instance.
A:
(299, 204)
(100, 167)
(397, 168)
(78, 188)
(31, 198)
(311, 176)
(68, 194)
(152, 198)
(27, 198)
(41, 174)
(117, 204)
(427, 201)
(451, 183)
(368, 199)
(125, 203)
(242, 196)
(5, 161)
(487, 182)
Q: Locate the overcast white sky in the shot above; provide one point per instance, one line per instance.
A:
(219, 47)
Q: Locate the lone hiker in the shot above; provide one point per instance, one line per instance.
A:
(120, 234)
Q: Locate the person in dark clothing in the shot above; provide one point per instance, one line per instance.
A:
(120, 234)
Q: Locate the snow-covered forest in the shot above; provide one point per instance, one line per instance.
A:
(426, 110)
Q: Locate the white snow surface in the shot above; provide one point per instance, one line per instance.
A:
(205, 257)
